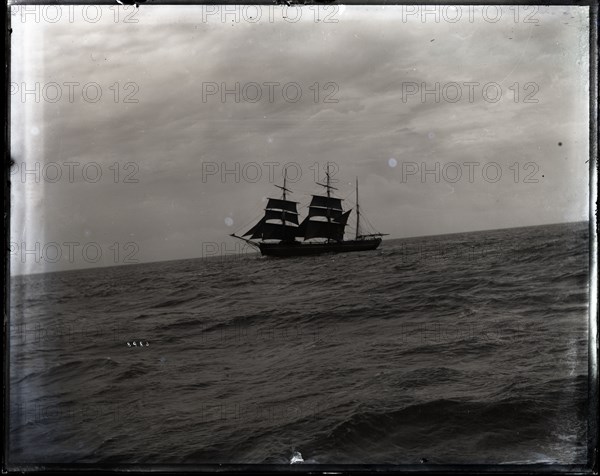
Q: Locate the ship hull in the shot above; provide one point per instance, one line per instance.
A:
(306, 249)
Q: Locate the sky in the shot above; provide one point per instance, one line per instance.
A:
(132, 144)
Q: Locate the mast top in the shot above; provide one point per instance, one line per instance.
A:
(284, 188)
(327, 185)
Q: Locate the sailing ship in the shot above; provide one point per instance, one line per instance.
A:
(280, 233)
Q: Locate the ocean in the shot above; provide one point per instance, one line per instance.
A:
(463, 348)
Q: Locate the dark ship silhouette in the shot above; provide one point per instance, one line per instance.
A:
(280, 230)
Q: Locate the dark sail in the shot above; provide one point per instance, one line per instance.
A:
(301, 230)
(341, 224)
(326, 202)
(255, 229)
(287, 205)
(272, 231)
(321, 229)
(333, 230)
(282, 211)
(344, 218)
(276, 231)
(279, 234)
(279, 215)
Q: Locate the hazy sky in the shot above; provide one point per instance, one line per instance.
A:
(372, 64)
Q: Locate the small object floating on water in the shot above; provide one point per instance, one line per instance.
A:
(134, 343)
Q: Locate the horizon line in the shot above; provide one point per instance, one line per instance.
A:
(217, 256)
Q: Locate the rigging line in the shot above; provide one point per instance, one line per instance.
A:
(371, 227)
(365, 212)
(346, 197)
(303, 190)
(249, 221)
(369, 222)
(366, 219)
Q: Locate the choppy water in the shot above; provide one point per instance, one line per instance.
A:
(459, 348)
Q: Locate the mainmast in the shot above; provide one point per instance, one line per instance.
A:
(327, 184)
(328, 211)
(328, 207)
(329, 188)
(357, 211)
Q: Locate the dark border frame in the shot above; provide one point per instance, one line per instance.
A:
(591, 466)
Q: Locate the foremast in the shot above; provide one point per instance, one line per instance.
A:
(279, 222)
(328, 189)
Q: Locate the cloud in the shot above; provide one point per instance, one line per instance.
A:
(364, 65)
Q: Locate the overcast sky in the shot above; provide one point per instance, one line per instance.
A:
(176, 143)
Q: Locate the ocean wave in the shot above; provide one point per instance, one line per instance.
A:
(415, 425)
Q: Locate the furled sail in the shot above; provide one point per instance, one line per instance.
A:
(326, 202)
